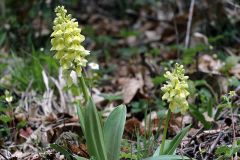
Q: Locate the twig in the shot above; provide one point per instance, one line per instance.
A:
(3, 156)
(195, 135)
(236, 6)
(189, 24)
(213, 146)
(234, 132)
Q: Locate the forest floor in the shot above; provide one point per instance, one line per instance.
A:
(134, 45)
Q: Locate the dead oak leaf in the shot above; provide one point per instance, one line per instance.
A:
(236, 71)
(25, 133)
(130, 87)
(79, 150)
(133, 126)
(208, 64)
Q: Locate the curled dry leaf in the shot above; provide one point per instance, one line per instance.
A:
(20, 116)
(80, 150)
(25, 133)
(133, 126)
(152, 35)
(236, 71)
(5, 153)
(208, 64)
(18, 154)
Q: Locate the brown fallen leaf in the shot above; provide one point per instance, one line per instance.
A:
(51, 118)
(25, 133)
(79, 150)
(208, 64)
(130, 87)
(152, 35)
(132, 127)
(236, 71)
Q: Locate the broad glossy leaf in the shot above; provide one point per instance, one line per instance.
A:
(168, 157)
(166, 146)
(176, 141)
(113, 131)
(199, 116)
(80, 112)
(94, 132)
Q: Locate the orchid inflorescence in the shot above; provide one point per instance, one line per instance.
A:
(66, 41)
(175, 91)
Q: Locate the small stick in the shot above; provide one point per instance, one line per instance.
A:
(234, 132)
(213, 146)
(3, 156)
(195, 135)
(189, 24)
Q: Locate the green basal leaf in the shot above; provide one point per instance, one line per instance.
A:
(5, 118)
(80, 112)
(166, 146)
(113, 131)
(111, 97)
(199, 116)
(168, 157)
(176, 141)
(2, 38)
(94, 132)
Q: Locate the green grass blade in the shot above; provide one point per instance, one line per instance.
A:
(80, 112)
(80, 158)
(94, 132)
(199, 116)
(63, 151)
(113, 131)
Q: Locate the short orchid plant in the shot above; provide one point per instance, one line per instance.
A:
(175, 93)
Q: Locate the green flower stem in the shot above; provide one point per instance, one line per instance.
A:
(165, 131)
(84, 89)
(86, 96)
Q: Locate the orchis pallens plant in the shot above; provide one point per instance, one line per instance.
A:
(66, 42)
(175, 92)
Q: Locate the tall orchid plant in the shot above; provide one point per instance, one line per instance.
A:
(103, 142)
